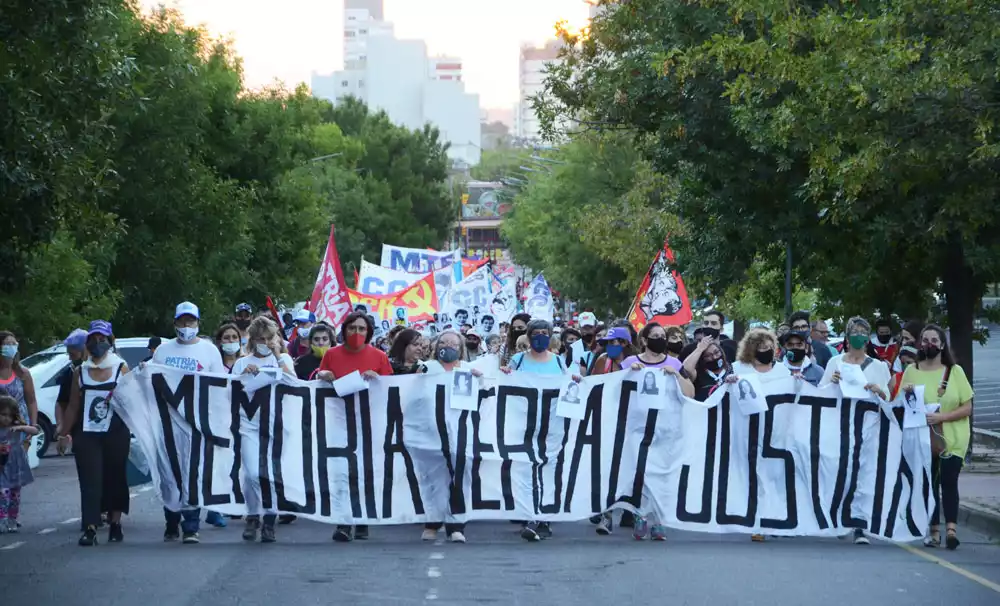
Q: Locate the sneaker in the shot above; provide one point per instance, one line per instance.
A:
(530, 532)
(933, 541)
(10, 526)
(596, 519)
(361, 533)
(659, 532)
(605, 526)
(627, 520)
(267, 534)
(250, 531)
(89, 537)
(860, 538)
(286, 518)
(115, 534)
(640, 528)
(190, 538)
(172, 533)
(216, 519)
(757, 538)
(456, 537)
(429, 534)
(544, 530)
(343, 534)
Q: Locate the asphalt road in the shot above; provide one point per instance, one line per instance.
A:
(986, 408)
(44, 565)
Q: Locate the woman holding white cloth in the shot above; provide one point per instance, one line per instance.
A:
(448, 356)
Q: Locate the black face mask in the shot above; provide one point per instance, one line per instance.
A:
(795, 356)
(931, 351)
(710, 332)
(657, 346)
(764, 357)
(242, 324)
(675, 347)
(588, 338)
(518, 331)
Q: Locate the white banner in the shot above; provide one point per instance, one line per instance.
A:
(468, 302)
(418, 260)
(813, 464)
(538, 300)
(377, 280)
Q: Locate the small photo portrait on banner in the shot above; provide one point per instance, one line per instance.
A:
(462, 385)
(749, 395)
(572, 393)
(649, 386)
(361, 308)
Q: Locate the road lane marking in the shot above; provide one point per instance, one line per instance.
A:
(70, 521)
(12, 546)
(952, 567)
(437, 556)
(46, 530)
(433, 572)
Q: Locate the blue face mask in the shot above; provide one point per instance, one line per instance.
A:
(540, 343)
(615, 351)
(448, 354)
(8, 351)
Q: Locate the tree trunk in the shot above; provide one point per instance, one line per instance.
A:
(961, 290)
(739, 329)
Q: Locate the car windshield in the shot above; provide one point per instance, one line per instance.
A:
(41, 358)
(45, 365)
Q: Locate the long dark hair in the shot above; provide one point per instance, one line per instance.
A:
(511, 347)
(10, 404)
(405, 338)
(946, 357)
(16, 362)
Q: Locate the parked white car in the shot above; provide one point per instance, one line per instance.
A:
(46, 366)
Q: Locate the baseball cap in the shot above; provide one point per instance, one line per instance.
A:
(187, 308)
(588, 319)
(100, 327)
(304, 315)
(76, 339)
(474, 332)
(802, 334)
(244, 307)
(618, 332)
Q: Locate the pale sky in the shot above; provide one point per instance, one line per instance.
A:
(289, 39)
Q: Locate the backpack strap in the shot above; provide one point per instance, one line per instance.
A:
(868, 362)
(944, 379)
(562, 366)
(517, 365)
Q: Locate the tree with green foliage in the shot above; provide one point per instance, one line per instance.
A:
(136, 171)
(586, 221)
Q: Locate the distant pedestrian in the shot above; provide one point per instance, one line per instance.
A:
(15, 472)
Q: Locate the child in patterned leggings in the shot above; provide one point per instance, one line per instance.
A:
(15, 472)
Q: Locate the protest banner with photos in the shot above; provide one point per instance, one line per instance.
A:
(396, 453)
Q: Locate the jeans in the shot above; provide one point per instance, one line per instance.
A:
(944, 471)
(188, 519)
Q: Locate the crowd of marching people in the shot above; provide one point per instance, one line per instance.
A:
(892, 361)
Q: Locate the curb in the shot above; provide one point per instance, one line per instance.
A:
(980, 519)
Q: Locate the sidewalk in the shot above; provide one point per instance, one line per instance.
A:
(979, 488)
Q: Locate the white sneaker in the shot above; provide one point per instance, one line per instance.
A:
(860, 538)
(457, 537)
(429, 535)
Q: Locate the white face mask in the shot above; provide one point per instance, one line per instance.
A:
(187, 334)
(230, 349)
(304, 332)
(263, 350)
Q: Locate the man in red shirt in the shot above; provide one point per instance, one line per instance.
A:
(355, 354)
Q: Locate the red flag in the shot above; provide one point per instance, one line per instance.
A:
(274, 312)
(662, 297)
(330, 301)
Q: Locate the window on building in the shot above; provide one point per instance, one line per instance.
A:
(361, 83)
(344, 82)
(364, 31)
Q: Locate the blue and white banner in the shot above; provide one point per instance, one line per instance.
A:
(416, 260)
(813, 463)
(538, 300)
